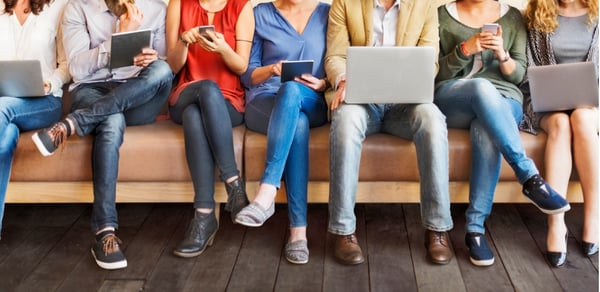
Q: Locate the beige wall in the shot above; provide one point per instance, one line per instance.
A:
(516, 3)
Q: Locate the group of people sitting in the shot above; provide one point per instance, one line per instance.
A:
(215, 80)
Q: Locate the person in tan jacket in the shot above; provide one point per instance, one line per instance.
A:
(384, 23)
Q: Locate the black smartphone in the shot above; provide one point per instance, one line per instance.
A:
(204, 28)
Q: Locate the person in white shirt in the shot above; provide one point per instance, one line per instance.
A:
(30, 30)
(105, 101)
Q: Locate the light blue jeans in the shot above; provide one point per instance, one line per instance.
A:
(16, 115)
(286, 118)
(492, 118)
(422, 123)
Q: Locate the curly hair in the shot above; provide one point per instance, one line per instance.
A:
(36, 6)
(542, 15)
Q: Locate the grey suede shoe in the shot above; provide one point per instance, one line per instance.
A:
(297, 252)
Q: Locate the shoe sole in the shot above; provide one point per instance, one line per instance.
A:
(551, 212)
(195, 254)
(248, 224)
(482, 263)
(296, 262)
(349, 263)
(40, 146)
(109, 266)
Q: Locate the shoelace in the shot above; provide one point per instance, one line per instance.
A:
(110, 244)
(439, 237)
(58, 133)
(351, 238)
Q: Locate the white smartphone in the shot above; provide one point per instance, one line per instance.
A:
(204, 28)
(490, 27)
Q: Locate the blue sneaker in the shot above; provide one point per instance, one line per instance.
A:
(544, 197)
(480, 253)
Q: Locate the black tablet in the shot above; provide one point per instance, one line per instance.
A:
(291, 69)
(126, 45)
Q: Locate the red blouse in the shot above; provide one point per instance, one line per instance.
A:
(201, 64)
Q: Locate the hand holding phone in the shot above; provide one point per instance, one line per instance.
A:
(490, 27)
(204, 28)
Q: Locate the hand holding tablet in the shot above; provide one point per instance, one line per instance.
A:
(291, 69)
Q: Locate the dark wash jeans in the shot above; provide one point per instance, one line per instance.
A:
(104, 109)
(207, 120)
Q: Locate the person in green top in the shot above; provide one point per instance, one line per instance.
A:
(476, 88)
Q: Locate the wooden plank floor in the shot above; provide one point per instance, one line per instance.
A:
(46, 247)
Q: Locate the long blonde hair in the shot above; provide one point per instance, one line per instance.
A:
(542, 15)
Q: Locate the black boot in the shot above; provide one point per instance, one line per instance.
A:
(236, 197)
(198, 236)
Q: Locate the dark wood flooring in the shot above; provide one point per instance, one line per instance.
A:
(46, 247)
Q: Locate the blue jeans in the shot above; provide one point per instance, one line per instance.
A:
(422, 123)
(104, 109)
(286, 119)
(207, 120)
(16, 115)
(477, 105)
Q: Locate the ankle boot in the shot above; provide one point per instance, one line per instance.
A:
(198, 236)
(236, 197)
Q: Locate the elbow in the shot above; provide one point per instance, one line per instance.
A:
(241, 70)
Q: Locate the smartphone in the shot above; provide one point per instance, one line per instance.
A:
(204, 28)
(490, 27)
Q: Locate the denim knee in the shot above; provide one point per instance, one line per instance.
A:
(289, 94)
(430, 122)
(111, 129)
(159, 72)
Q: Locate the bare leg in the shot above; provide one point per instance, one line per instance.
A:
(585, 152)
(558, 171)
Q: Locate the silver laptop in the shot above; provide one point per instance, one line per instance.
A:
(21, 78)
(563, 86)
(390, 74)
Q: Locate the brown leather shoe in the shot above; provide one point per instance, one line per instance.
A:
(346, 249)
(439, 247)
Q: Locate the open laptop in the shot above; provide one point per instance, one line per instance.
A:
(563, 86)
(390, 74)
(21, 78)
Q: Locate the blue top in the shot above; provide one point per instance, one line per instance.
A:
(275, 40)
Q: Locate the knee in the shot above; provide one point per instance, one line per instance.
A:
(584, 122)
(559, 126)
(289, 94)
(431, 120)
(111, 129)
(348, 121)
(191, 115)
(209, 93)
(482, 90)
(10, 136)
(160, 72)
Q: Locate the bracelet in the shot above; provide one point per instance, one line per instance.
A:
(464, 50)
(506, 58)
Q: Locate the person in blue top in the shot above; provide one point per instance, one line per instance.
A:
(285, 30)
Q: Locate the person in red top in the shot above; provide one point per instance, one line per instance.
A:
(208, 100)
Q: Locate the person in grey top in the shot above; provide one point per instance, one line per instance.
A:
(106, 101)
(561, 31)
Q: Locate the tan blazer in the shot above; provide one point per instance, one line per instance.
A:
(351, 24)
